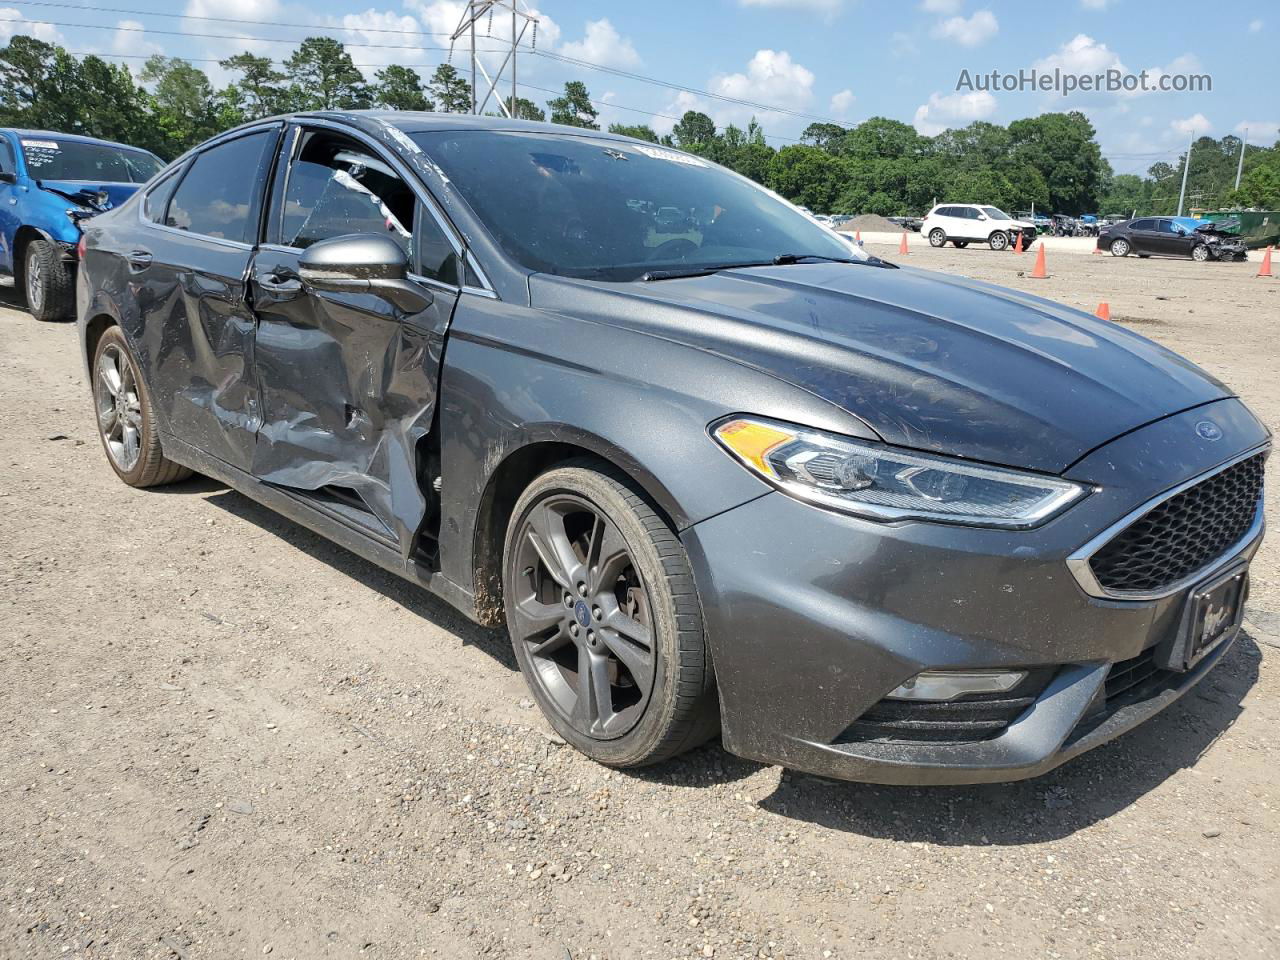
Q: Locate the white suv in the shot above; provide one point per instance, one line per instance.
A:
(965, 223)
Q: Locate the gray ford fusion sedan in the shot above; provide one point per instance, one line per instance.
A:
(713, 467)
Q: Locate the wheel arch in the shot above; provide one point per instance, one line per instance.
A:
(545, 450)
(21, 238)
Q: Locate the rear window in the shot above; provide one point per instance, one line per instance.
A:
(220, 194)
(1142, 225)
(50, 159)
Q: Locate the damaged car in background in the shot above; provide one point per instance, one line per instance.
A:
(49, 184)
(1200, 240)
(714, 472)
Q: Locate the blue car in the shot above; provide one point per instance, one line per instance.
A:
(49, 182)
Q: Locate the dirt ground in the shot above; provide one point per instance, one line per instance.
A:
(221, 736)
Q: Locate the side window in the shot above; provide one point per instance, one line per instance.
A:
(7, 162)
(436, 257)
(1142, 225)
(1167, 226)
(337, 186)
(156, 200)
(971, 213)
(219, 196)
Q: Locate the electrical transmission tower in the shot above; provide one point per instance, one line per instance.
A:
(470, 26)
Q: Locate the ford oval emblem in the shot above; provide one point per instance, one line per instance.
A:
(1208, 430)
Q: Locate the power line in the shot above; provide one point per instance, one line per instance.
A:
(563, 58)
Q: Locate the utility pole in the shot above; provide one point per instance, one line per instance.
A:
(521, 21)
(1240, 165)
(1186, 165)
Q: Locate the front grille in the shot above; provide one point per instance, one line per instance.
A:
(1182, 534)
(969, 720)
(1127, 676)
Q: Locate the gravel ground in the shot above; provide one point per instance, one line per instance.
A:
(224, 737)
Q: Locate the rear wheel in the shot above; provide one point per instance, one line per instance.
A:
(47, 282)
(1120, 247)
(960, 244)
(998, 240)
(605, 619)
(126, 424)
(937, 237)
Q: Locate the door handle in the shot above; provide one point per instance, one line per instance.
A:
(140, 259)
(280, 282)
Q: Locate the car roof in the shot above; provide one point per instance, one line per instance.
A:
(414, 121)
(74, 137)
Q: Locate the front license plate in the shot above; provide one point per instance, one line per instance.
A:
(1215, 610)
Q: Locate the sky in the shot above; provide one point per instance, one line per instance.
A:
(831, 60)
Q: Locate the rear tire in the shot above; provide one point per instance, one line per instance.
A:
(1120, 247)
(937, 237)
(47, 282)
(126, 421)
(605, 618)
(960, 244)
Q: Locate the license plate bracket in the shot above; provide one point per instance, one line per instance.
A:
(1214, 612)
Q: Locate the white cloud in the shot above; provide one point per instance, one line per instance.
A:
(971, 31)
(772, 77)
(940, 6)
(601, 43)
(1094, 4)
(368, 28)
(955, 110)
(130, 37)
(1081, 54)
(1264, 133)
(842, 102)
(1196, 124)
(1255, 26)
(13, 23)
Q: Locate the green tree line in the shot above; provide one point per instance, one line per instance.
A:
(880, 166)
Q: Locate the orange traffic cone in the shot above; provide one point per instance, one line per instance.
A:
(1017, 247)
(1097, 251)
(1104, 311)
(1265, 269)
(1039, 272)
(902, 247)
(857, 237)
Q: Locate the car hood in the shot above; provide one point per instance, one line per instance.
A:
(84, 192)
(928, 361)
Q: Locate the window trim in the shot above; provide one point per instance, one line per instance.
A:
(188, 163)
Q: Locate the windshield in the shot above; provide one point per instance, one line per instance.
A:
(94, 162)
(613, 210)
(995, 213)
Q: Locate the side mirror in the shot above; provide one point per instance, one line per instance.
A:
(7, 177)
(363, 263)
(982, 216)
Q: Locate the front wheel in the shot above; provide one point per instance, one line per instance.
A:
(1120, 248)
(605, 619)
(126, 423)
(1200, 253)
(937, 237)
(998, 240)
(47, 282)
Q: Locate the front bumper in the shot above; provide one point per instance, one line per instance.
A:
(814, 616)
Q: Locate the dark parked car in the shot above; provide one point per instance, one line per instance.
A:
(872, 522)
(49, 184)
(1171, 237)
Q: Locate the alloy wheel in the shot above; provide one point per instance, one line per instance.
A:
(35, 282)
(1119, 248)
(583, 616)
(937, 238)
(999, 241)
(1200, 253)
(115, 394)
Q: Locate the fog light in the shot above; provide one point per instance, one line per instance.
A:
(950, 684)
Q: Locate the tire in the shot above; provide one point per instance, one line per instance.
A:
(937, 237)
(1120, 247)
(560, 604)
(1200, 253)
(960, 244)
(998, 240)
(47, 282)
(125, 417)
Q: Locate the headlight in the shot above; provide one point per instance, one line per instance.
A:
(884, 483)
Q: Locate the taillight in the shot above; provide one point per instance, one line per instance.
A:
(80, 248)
